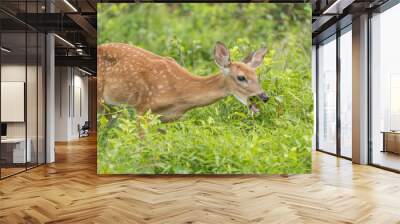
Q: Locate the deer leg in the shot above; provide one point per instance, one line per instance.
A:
(140, 130)
(170, 117)
(162, 131)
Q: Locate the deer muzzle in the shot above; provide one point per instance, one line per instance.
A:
(263, 96)
(253, 104)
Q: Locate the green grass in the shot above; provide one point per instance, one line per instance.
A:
(223, 137)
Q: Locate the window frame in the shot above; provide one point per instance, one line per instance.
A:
(338, 34)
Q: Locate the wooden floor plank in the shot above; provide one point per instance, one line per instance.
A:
(70, 191)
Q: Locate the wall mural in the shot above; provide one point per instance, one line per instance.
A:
(204, 88)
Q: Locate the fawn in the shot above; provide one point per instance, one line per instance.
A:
(136, 77)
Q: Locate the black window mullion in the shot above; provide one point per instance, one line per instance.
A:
(0, 95)
(37, 90)
(369, 90)
(338, 76)
(73, 92)
(26, 87)
(316, 96)
(45, 94)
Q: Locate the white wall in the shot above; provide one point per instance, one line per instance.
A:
(70, 83)
(62, 81)
(80, 96)
(13, 73)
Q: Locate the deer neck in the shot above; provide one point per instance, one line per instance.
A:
(202, 91)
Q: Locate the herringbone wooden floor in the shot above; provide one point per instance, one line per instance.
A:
(69, 191)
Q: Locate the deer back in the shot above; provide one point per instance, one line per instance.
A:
(134, 76)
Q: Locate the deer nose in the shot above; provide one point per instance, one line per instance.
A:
(263, 97)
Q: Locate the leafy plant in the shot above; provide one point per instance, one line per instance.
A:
(223, 137)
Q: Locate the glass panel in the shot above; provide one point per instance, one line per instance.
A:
(327, 96)
(13, 86)
(22, 88)
(41, 99)
(386, 89)
(31, 86)
(346, 94)
(31, 97)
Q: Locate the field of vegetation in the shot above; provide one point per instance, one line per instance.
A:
(224, 137)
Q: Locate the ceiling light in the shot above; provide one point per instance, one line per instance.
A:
(70, 5)
(84, 71)
(80, 51)
(338, 6)
(5, 50)
(65, 41)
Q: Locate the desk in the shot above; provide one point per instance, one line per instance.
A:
(16, 148)
(391, 141)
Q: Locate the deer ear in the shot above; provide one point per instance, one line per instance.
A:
(256, 58)
(221, 56)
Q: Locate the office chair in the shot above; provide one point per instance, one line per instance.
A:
(84, 130)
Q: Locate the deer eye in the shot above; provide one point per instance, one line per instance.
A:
(241, 78)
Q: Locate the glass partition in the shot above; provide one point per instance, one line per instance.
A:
(385, 89)
(32, 95)
(327, 95)
(14, 153)
(23, 91)
(346, 93)
(41, 109)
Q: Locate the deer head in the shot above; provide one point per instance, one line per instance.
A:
(240, 77)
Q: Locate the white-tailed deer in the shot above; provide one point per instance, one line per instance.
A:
(139, 78)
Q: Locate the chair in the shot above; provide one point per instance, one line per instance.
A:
(84, 130)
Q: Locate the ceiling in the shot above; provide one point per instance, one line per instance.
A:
(331, 15)
(74, 22)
